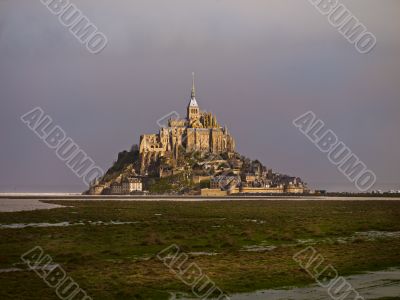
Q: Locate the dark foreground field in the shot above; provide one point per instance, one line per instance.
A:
(117, 261)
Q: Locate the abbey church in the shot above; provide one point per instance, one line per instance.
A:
(194, 155)
(199, 131)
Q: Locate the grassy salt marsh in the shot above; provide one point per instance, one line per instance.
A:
(109, 247)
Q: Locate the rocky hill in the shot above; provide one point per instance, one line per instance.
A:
(191, 172)
(191, 155)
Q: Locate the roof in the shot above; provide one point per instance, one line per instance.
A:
(193, 103)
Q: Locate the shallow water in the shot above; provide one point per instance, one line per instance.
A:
(10, 205)
(364, 236)
(372, 285)
(62, 224)
(48, 267)
(203, 253)
(8, 270)
(258, 248)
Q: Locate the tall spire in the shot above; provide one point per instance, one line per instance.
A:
(193, 102)
(193, 88)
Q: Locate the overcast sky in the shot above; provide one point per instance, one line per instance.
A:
(259, 64)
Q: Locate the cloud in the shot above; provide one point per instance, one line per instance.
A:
(259, 64)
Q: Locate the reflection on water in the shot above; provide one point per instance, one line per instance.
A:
(371, 285)
(9, 205)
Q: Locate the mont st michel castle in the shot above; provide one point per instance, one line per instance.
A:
(194, 155)
(199, 132)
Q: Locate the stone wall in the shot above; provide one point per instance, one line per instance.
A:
(253, 190)
(213, 193)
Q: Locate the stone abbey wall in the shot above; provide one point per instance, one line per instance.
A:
(215, 140)
(200, 131)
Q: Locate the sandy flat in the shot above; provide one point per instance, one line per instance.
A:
(10, 205)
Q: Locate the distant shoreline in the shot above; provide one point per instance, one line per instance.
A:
(329, 197)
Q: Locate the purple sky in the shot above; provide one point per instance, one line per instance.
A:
(259, 64)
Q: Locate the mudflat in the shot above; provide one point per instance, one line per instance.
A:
(109, 247)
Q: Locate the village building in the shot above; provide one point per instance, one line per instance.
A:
(130, 185)
(116, 188)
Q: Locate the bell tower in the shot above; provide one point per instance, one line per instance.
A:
(193, 110)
